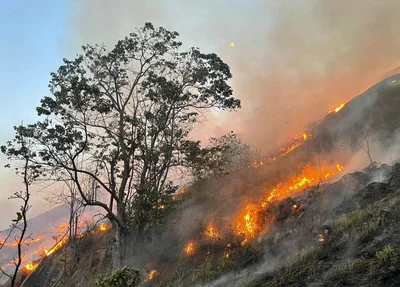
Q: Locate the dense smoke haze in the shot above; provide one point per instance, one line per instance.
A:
(291, 63)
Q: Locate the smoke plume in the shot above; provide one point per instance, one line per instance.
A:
(292, 61)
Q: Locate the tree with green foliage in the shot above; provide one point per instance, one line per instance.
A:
(121, 118)
(222, 155)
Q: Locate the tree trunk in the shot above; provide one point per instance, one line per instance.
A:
(370, 158)
(118, 253)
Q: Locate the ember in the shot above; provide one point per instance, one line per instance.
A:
(296, 206)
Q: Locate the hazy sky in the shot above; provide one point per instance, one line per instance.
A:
(30, 48)
(292, 61)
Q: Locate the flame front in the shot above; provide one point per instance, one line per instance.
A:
(290, 146)
(337, 109)
(56, 247)
(26, 241)
(248, 223)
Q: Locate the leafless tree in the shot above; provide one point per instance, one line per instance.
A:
(364, 139)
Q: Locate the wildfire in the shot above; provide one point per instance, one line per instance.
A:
(337, 109)
(308, 176)
(180, 192)
(189, 248)
(26, 241)
(30, 266)
(248, 222)
(292, 145)
(151, 275)
(102, 227)
(62, 228)
(211, 231)
(56, 247)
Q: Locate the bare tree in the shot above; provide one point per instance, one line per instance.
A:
(364, 140)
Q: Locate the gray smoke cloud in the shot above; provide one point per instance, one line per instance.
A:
(292, 61)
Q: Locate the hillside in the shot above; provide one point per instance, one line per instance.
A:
(303, 216)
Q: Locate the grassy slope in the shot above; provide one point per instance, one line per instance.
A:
(363, 249)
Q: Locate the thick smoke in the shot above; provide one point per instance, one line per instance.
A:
(292, 61)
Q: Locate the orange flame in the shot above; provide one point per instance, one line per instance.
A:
(56, 247)
(189, 248)
(102, 227)
(62, 228)
(211, 231)
(151, 275)
(337, 109)
(292, 145)
(30, 266)
(25, 241)
(180, 192)
(248, 222)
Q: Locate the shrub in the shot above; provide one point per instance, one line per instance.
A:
(123, 277)
(354, 265)
(385, 254)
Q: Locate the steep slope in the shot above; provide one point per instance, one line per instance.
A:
(289, 223)
(359, 248)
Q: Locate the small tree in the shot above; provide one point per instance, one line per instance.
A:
(121, 118)
(69, 196)
(20, 224)
(364, 139)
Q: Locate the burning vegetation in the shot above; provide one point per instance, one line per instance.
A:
(189, 248)
(211, 231)
(336, 109)
(248, 222)
(43, 249)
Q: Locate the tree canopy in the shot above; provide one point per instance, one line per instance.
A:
(117, 122)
